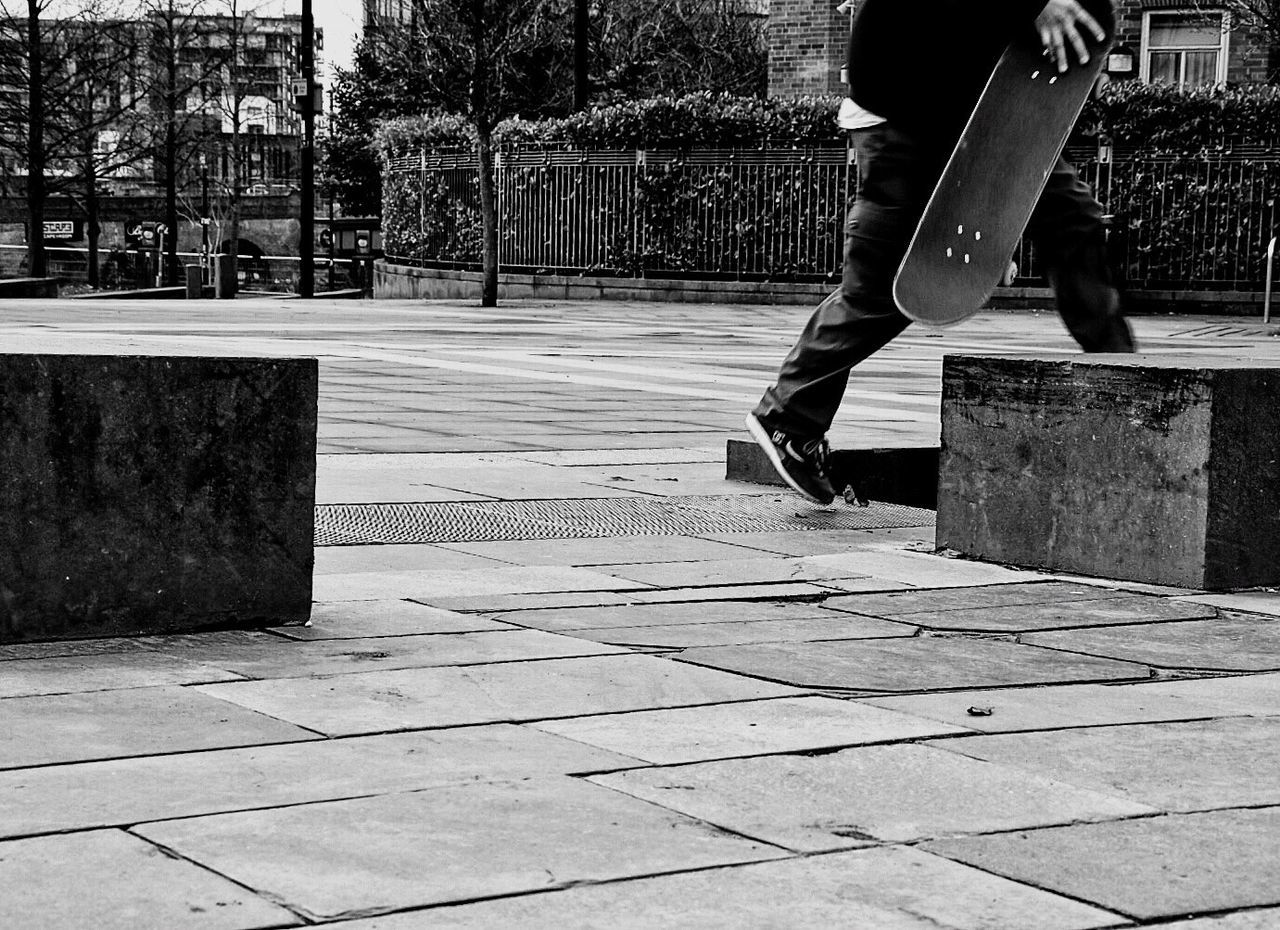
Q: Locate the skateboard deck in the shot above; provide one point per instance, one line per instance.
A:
(989, 187)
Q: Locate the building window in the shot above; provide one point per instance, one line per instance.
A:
(1184, 49)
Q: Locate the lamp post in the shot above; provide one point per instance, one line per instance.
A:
(307, 161)
(205, 219)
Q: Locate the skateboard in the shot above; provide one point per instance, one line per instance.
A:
(990, 185)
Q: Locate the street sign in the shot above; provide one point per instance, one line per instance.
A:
(64, 230)
(298, 87)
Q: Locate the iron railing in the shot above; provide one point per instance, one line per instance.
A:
(776, 213)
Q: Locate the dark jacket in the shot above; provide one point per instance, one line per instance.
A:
(922, 64)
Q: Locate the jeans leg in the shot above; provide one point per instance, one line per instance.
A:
(1068, 234)
(895, 178)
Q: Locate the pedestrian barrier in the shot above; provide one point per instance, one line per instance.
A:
(154, 494)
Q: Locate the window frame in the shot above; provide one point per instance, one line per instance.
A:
(1224, 44)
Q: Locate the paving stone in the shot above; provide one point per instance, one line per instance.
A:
(429, 585)
(637, 616)
(134, 722)
(1265, 919)
(865, 795)
(107, 672)
(68, 647)
(110, 880)
(731, 571)
(266, 656)
(687, 635)
(1071, 614)
(1170, 866)
(341, 560)
(1232, 642)
(896, 603)
(495, 603)
(1199, 765)
(694, 734)
(927, 570)
(826, 542)
(1258, 602)
(1257, 695)
(609, 551)
(359, 619)
(916, 664)
(1057, 707)
(891, 888)
(451, 844)
(128, 791)
(741, 592)
(515, 691)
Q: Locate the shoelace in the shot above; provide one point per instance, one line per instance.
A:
(814, 451)
(817, 450)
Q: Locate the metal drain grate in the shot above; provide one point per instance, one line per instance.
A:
(373, 524)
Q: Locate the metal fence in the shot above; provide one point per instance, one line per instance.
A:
(1198, 222)
(133, 269)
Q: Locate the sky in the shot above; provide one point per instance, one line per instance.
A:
(340, 20)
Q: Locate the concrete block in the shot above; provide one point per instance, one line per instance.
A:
(1141, 468)
(907, 476)
(154, 494)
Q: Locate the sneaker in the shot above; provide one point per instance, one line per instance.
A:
(801, 463)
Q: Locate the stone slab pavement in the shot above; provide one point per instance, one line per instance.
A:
(562, 673)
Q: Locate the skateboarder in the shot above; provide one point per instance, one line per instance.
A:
(916, 68)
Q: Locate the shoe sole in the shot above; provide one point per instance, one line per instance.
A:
(757, 431)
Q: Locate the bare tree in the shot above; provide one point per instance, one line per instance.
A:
(482, 58)
(677, 47)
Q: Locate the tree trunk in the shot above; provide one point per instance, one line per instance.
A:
(489, 218)
(37, 265)
(92, 230)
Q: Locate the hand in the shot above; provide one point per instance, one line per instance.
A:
(1060, 24)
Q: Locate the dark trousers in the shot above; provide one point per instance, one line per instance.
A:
(896, 175)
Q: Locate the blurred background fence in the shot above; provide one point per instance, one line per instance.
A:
(1195, 222)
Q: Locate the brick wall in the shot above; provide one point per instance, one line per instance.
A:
(806, 47)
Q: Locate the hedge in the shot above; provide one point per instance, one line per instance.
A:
(1152, 117)
(1173, 222)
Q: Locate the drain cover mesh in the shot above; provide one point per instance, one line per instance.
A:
(372, 524)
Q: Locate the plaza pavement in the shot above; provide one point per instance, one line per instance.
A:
(575, 678)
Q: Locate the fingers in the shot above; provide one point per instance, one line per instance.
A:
(1051, 39)
(1065, 23)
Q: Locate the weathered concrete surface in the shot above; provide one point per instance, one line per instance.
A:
(1233, 642)
(1072, 614)
(130, 722)
(513, 691)
(1054, 707)
(125, 874)
(104, 672)
(1151, 867)
(631, 616)
(1191, 766)
(258, 655)
(694, 734)
(916, 664)
(885, 889)
(121, 792)
(730, 633)
(449, 844)
(150, 493)
(359, 619)
(896, 603)
(1147, 468)
(865, 795)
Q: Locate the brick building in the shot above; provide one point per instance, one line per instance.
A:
(1170, 40)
